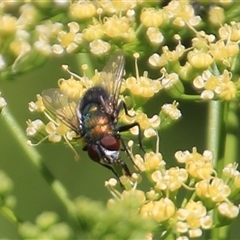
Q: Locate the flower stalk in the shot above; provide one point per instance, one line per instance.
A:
(35, 158)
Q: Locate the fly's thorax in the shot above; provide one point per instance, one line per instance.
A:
(94, 95)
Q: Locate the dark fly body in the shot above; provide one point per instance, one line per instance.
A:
(96, 116)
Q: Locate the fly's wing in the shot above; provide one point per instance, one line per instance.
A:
(111, 77)
(62, 107)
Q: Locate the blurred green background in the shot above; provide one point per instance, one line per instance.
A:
(83, 177)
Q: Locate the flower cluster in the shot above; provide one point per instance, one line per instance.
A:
(55, 130)
(142, 86)
(216, 86)
(99, 27)
(205, 193)
(209, 59)
(47, 225)
(118, 221)
(73, 89)
(6, 186)
(95, 26)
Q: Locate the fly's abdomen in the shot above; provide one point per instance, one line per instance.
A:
(96, 124)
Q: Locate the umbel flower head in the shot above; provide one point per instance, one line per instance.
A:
(102, 27)
(192, 50)
(55, 130)
(204, 190)
(88, 109)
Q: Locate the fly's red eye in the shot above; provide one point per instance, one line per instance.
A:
(110, 143)
(93, 153)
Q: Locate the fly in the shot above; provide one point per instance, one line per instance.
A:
(95, 118)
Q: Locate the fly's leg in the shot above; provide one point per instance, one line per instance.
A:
(125, 168)
(122, 105)
(122, 164)
(110, 168)
(127, 127)
(125, 148)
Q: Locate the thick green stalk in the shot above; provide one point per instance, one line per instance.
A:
(216, 142)
(214, 128)
(232, 132)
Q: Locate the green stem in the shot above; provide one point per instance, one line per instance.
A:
(216, 142)
(84, 58)
(139, 29)
(7, 212)
(191, 97)
(232, 138)
(213, 129)
(36, 159)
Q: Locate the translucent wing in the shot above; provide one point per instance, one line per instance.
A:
(111, 77)
(62, 107)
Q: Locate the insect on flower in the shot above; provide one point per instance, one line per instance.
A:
(95, 118)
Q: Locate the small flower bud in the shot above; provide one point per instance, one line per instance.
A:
(6, 184)
(216, 15)
(200, 60)
(151, 17)
(172, 84)
(169, 114)
(28, 230)
(82, 10)
(46, 219)
(227, 211)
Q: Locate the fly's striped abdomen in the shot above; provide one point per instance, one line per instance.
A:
(96, 124)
